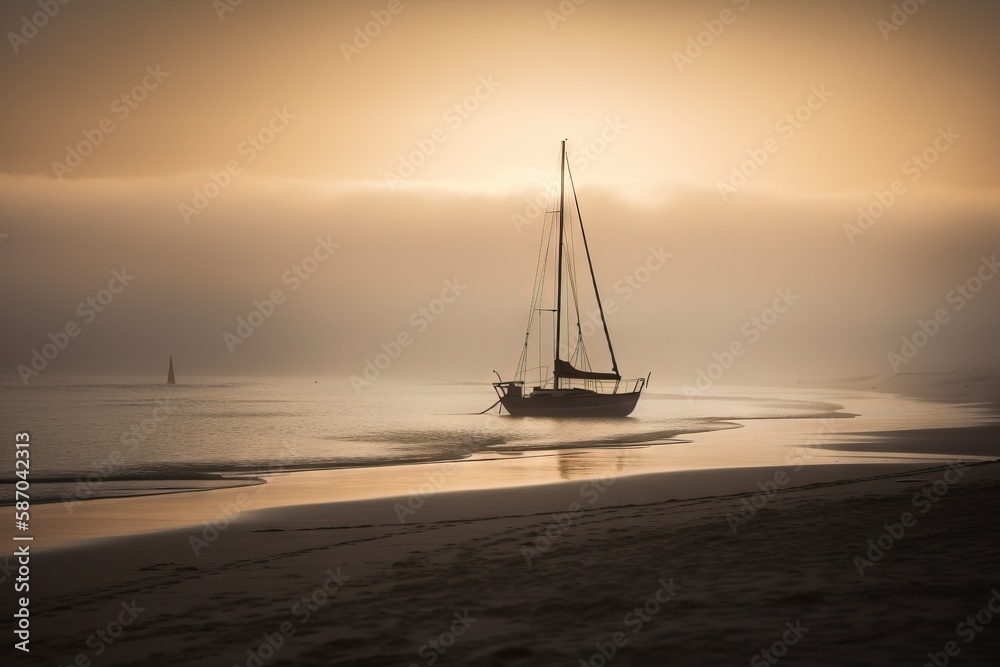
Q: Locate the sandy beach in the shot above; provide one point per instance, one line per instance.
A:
(833, 564)
(543, 586)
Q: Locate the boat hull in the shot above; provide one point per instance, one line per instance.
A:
(571, 405)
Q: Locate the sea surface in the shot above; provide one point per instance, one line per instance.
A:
(103, 439)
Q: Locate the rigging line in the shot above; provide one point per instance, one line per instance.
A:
(537, 292)
(486, 410)
(574, 286)
(541, 282)
(574, 289)
(576, 302)
(597, 293)
(586, 360)
(538, 287)
(545, 250)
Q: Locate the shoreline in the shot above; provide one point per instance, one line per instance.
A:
(237, 507)
(248, 476)
(963, 389)
(814, 438)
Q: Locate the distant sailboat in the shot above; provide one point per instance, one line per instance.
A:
(573, 388)
(170, 371)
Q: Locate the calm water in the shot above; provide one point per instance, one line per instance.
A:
(100, 440)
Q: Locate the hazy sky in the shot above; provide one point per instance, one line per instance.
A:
(205, 146)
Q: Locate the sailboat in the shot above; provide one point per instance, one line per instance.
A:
(570, 387)
(170, 371)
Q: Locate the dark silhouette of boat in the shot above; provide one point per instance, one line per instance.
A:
(573, 389)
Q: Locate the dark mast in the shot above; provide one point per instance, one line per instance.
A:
(559, 265)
